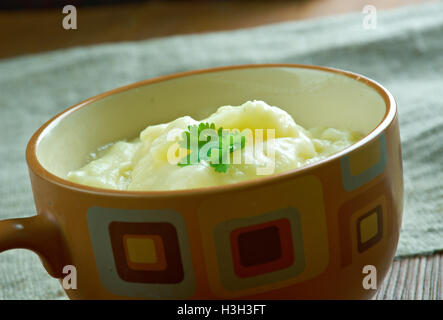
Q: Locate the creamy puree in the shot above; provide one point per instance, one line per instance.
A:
(142, 164)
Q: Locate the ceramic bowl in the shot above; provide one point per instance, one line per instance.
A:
(303, 234)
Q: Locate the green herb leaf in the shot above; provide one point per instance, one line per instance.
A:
(194, 141)
(220, 167)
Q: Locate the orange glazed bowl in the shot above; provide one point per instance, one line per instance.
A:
(307, 233)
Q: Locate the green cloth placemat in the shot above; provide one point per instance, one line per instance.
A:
(404, 53)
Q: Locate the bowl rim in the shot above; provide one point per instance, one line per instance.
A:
(36, 167)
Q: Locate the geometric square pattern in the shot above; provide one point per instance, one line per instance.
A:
(251, 247)
(361, 166)
(369, 229)
(142, 253)
(262, 248)
(162, 264)
(362, 221)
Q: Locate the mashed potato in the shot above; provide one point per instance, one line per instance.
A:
(145, 163)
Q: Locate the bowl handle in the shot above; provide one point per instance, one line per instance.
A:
(38, 234)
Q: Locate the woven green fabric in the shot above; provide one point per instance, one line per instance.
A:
(404, 53)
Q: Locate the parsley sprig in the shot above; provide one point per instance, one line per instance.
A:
(205, 142)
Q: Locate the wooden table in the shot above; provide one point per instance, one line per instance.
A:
(31, 31)
(25, 32)
(414, 278)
